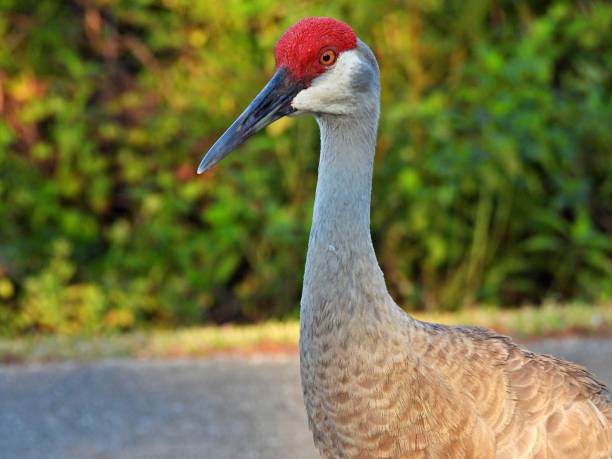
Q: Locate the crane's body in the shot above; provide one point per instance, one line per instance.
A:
(378, 383)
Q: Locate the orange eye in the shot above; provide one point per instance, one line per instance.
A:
(327, 57)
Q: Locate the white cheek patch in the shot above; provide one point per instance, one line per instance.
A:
(330, 91)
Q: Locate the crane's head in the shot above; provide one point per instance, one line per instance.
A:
(322, 68)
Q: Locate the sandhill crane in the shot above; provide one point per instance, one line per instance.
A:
(378, 383)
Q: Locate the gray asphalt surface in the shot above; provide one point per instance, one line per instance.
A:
(224, 408)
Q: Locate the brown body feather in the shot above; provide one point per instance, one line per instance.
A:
(432, 391)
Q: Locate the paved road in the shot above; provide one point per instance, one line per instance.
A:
(225, 408)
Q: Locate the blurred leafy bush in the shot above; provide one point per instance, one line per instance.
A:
(493, 178)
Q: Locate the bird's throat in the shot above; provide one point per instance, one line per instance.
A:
(341, 267)
(342, 201)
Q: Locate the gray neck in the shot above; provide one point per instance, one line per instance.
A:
(342, 202)
(342, 273)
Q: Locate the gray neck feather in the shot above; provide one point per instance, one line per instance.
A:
(342, 279)
(342, 202)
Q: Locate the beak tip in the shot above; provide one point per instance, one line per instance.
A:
(203, 166)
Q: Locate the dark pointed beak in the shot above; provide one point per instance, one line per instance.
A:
(272, 103)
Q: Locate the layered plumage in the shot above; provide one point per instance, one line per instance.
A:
(378, 383)
(404, 389)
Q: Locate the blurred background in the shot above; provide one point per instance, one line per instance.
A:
(492, 206)
(493, 176)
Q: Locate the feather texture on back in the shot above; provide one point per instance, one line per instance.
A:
(443, 392)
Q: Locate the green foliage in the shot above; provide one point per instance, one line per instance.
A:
(493, 177)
